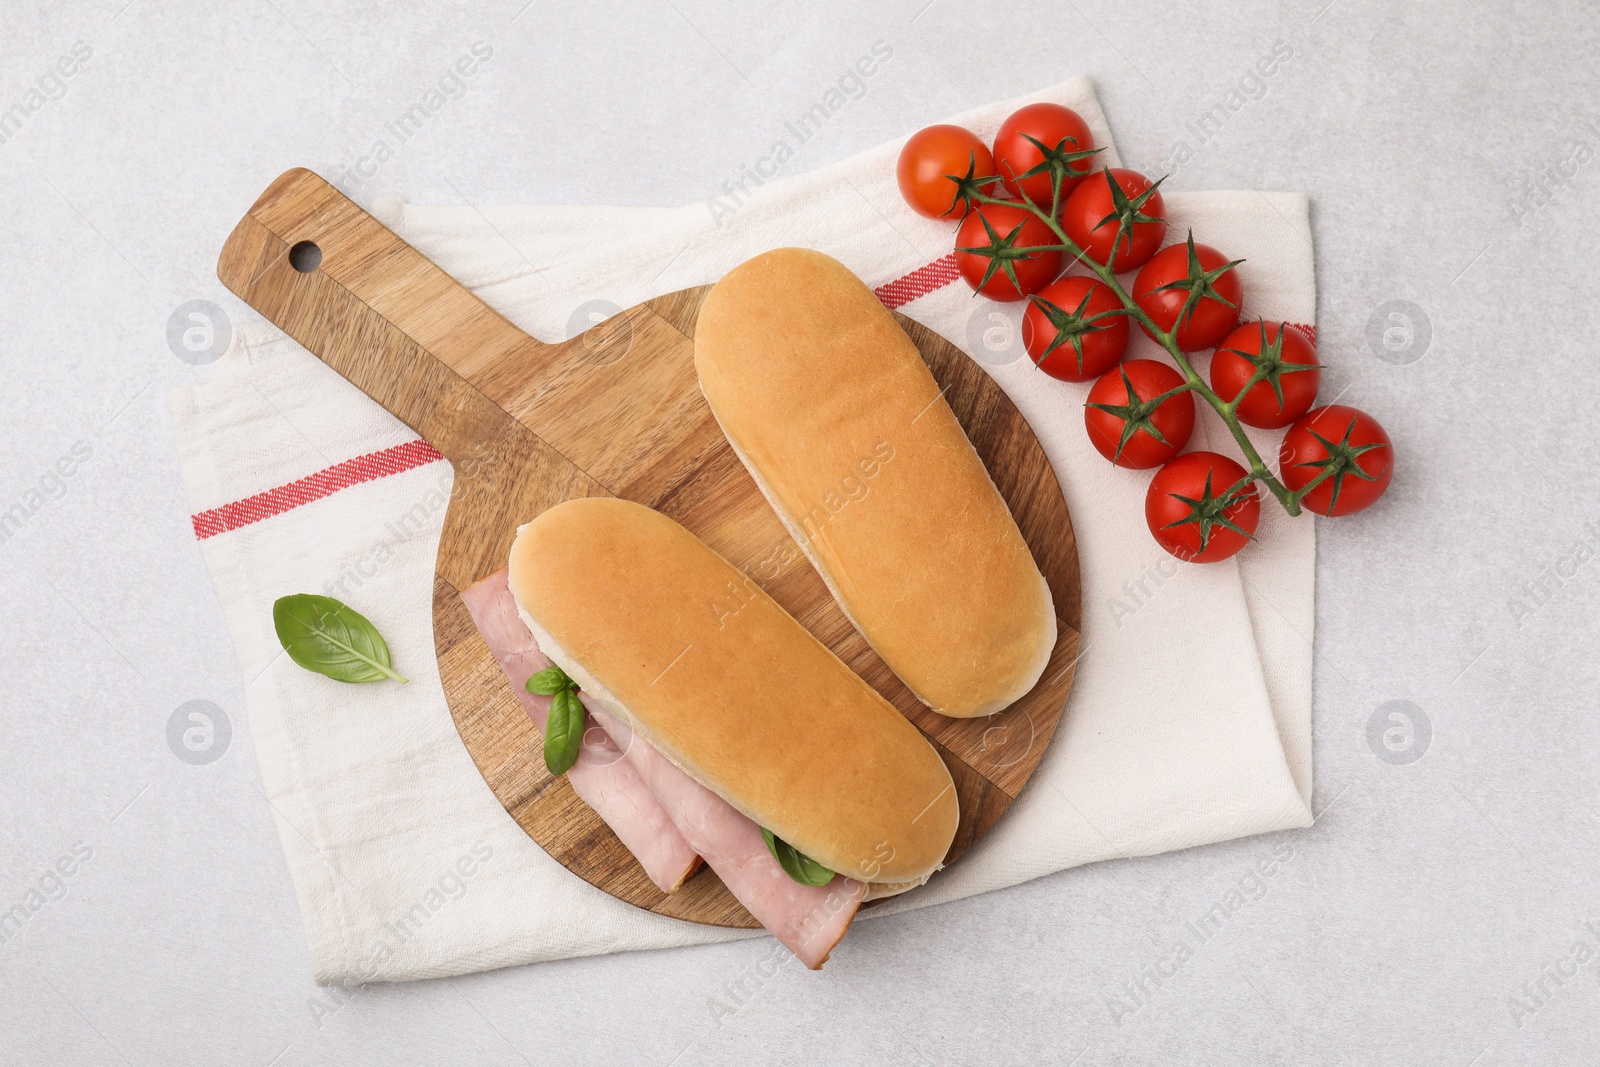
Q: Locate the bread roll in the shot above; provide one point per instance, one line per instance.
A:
(704, 666)
(837, 418)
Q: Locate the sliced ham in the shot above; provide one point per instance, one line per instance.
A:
(602, 778)
(664, 817)
(810, 920)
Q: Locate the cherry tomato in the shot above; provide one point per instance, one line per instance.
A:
(1190, 511)
(1004, 234)
(1290, 362)
(928, 162)
(1190, 267)
(1123, 424)
(1097, 218)
(1074, 329)
(1025, 168)
(1349, 442)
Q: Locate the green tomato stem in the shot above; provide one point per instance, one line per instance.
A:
(1322, 476)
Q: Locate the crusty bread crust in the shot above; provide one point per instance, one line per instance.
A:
(711, 671)
(840, 423)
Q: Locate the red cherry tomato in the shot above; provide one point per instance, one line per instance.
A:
(929, 160)
(1348, 441)
(1191, 513)
(1288, 357)
(1009, 233)
(1095, 219)
(1074, 329)
(1216, 312)
(1126, 428)
(1024, 167)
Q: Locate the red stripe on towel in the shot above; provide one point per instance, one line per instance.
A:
(326, 482)
(920, 282)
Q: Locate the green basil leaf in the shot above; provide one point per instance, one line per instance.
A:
(549, 682)
(563, 732)
(796, 864)
(323, 635)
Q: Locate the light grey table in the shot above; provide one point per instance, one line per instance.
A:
(1433, 915)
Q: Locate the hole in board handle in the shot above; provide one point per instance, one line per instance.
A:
(305, 256)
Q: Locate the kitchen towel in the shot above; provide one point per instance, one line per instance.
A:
(404, 864)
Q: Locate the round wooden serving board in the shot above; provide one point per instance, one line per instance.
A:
(616, 411)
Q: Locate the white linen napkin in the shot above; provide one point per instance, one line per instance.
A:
(1189, 721)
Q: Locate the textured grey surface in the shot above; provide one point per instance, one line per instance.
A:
(1433, 915)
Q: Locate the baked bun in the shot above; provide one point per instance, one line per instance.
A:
(707, 668)
(839, 421)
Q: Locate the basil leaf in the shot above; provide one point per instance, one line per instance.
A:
(563, 732)
(549, 682)
(323, 635)
(796, 864)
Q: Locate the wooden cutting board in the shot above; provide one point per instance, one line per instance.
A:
(615, 411)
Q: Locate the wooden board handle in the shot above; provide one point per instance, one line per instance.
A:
(413, 339)
(372, 307)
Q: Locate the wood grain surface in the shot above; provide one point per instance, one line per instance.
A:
(616, 411)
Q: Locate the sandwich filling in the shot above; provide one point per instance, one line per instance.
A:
(602, 778)
(665, 818)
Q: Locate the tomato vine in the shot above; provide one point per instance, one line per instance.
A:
(1012, 245)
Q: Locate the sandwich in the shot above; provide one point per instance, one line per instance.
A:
(837, 418)
(770, 760)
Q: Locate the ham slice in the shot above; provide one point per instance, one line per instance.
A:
(809, 920)
(602, 777)
(664, 817)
